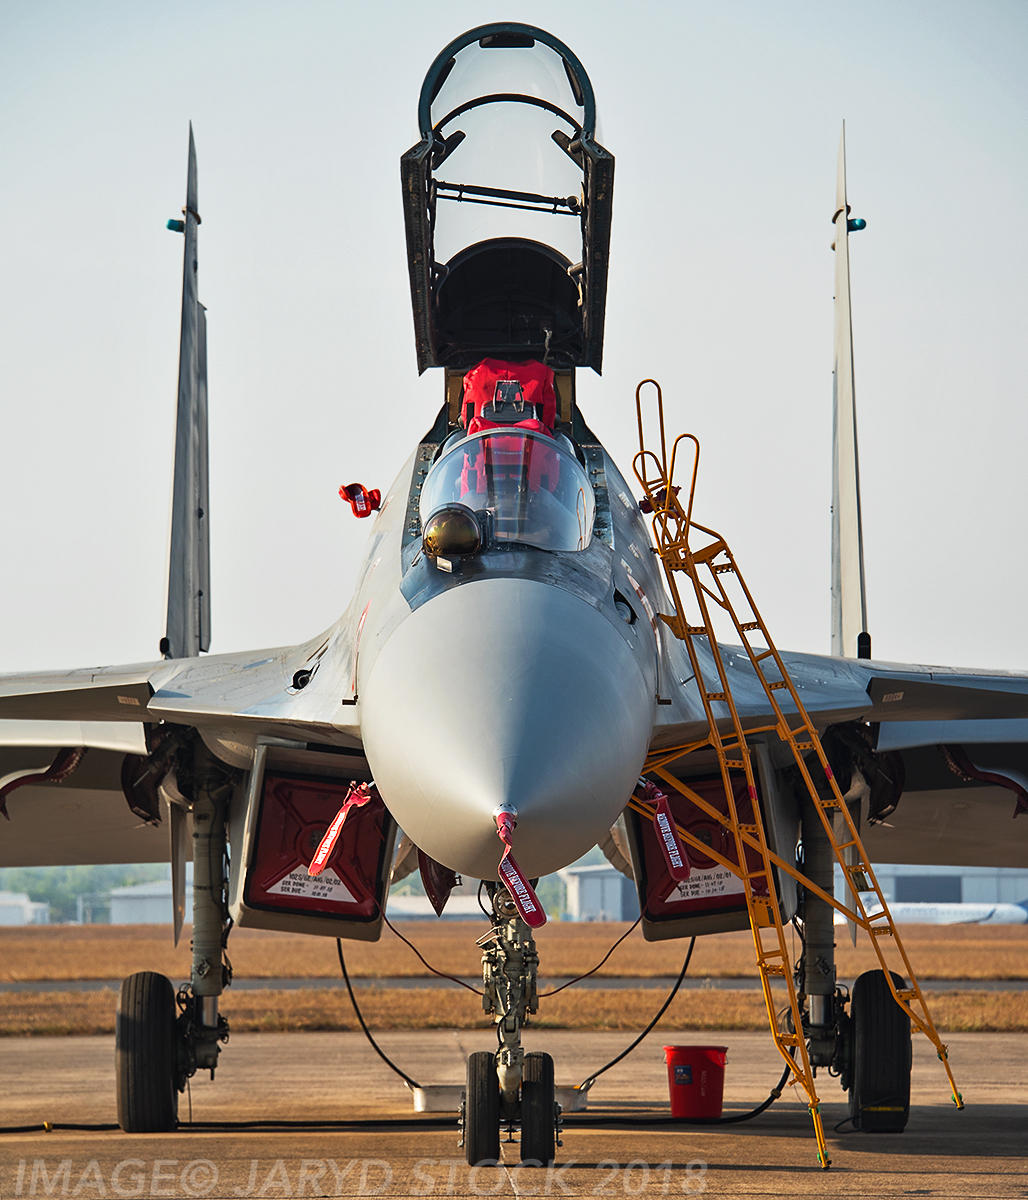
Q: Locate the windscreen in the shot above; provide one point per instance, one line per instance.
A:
(536, 492)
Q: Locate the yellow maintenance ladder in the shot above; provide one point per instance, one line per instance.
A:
(712, 571)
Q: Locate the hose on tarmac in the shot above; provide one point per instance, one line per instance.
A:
(732, 1119)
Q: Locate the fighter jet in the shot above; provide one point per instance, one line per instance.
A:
(507, 668)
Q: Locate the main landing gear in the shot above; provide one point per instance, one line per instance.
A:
(868, 1048)
(509, 1089)
(162, 1040)
(877, 1056)
(146, 1054)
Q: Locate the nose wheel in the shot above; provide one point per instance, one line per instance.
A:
(481, 1111)
(509, 1087)
(538, 1111)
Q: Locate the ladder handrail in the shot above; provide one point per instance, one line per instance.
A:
(672, 524)
(923, 1022)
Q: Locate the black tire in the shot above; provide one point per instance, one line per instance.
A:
(145, 1054)
(482, 1110)
(880, 1057)
(538, 1111)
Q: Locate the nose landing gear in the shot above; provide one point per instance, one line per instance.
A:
(509, 1088)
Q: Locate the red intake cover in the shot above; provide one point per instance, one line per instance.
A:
(710, 887)
(294, 817)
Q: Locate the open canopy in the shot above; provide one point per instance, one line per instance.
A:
(507, 202)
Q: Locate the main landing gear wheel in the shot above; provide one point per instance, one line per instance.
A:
(880, 1056)
(145, 1054)
(482, 1110)
(538, 1111)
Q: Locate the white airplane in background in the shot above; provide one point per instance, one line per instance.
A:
(501, 674)
(923, 912)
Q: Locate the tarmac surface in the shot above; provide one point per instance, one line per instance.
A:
(320, 1077)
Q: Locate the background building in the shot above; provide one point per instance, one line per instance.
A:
(147, 904)
(599, 893)
(902, 884)
(17, 909)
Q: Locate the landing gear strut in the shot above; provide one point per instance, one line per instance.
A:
(509, 1088)
(868, 1048)
(157, 1048)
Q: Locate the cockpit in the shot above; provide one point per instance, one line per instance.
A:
(521, 486)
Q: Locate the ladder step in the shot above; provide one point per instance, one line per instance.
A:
(709, 552)
(734, 754)
(860, 880)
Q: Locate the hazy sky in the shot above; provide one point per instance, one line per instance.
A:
(724, 119)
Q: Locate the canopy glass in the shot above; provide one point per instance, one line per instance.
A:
(535, 491)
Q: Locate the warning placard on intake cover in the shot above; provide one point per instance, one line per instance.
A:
(717, 881)
(326, 886)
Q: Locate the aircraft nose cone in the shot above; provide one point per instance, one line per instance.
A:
(506, 691)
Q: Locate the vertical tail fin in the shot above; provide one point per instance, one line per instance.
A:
(849, 604)
(188, 628)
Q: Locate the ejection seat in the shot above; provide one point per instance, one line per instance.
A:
(507, 393)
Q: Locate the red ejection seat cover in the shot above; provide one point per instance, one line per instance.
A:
(505, 393)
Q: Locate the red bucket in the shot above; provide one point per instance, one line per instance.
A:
(696, 1079)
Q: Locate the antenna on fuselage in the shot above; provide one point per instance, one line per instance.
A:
(188, 629)
(849, 601)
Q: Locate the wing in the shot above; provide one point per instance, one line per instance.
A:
(954, 741)
(89, 810)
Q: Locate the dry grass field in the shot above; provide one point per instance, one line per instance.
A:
(958, 952)
(58, 1013)
(961, 952)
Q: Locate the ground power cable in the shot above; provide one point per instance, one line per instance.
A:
(574, 1120)
(363, 1024)
(571, 1120)
(434, 970)
(587, 1083)
(579, 978)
